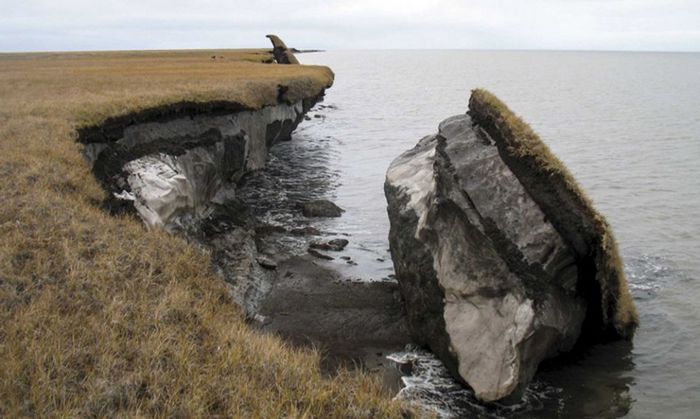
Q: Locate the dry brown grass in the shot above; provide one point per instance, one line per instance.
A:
(525, 145)
(99, 317)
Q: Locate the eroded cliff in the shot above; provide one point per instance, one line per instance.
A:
(500, 258)
(172, 165)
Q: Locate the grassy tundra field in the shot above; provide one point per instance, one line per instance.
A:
(100, 317)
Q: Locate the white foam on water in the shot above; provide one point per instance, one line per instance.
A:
(430, 386)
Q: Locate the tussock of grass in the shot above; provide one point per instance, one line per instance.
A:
(523, 141)
(539, 169)
(100, 317)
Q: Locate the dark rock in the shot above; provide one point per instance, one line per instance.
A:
(491, 283)
(266, 262)
(321, 208)
(316, 253)
(306, 231)
(405, 367)
(335, 245)
(265, 229)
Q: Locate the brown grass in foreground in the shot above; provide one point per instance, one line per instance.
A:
(99, 317)
(617, 306)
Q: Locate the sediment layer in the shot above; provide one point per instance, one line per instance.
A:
(570, 211)
(174, 165)
(501, 259)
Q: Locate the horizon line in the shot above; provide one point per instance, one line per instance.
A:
(319, 50)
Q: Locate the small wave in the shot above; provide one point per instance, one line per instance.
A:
(648, 274)
(430, 386)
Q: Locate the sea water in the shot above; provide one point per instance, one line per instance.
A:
(628, 127)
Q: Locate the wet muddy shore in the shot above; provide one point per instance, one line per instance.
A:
(289, 279)
(225, 182)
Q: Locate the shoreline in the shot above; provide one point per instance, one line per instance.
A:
(121, 310)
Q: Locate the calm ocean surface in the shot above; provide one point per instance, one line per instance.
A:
(628, 127)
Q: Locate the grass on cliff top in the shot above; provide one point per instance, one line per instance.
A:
(99, 317)
(525, 143)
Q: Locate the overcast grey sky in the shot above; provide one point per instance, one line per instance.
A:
(45, 25)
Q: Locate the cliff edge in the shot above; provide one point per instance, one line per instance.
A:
(100, 317)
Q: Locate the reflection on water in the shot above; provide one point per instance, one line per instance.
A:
(302, 170)
(628, 127)
(594, 384)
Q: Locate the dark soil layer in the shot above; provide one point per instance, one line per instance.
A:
(352, 322)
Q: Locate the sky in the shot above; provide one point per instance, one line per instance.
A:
(65, 25)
